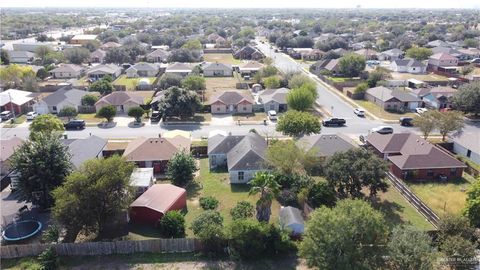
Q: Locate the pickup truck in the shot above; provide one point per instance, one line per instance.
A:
(333, 122)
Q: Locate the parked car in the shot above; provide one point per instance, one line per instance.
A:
(5, 115)
(421, 110)
(272, 115)
(334, 122)
(75, 124)
(382, 130)
(156, 115)
(406, 121)
(359, 112)
(31, 115)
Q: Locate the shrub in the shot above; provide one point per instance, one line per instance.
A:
(137, 113)
(181, 168)
(242, 210)
(361, 88)
(89, 100)
(107, 112)
(287, 198)
(48, 259)
(208, 203)
(172, 225)
(51, 234)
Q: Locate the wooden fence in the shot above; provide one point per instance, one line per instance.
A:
(179, 245)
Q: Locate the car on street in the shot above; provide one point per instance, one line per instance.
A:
(272, 115)
(75, 124)
(359, 112)
(406, 121)
(334, 122)
(382, 130)
(421, 110)
(5, 115)
(31, 115)
(156, 115)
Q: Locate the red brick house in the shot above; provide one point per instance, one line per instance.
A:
(155, 152)
(154, 203)
(17, 101)
(413, 158)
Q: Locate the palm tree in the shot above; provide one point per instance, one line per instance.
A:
(264, 184)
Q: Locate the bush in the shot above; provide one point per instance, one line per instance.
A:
(181, 168)
(89, 100)
(137, 113)
(242, 210)
(208, 227)
(361, 88)
(68, 111)
(208, 203)
(322, 194)
(51, 234)
(48, 259)
(172, 225)
(287, 198)
(107, 112)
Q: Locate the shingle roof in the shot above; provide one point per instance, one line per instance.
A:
(408, 63)
(118, 98)
(326, 145)
(278, 95)
(20, 54)
(142, 66)
(104, 69)
(251, 65)
(179, 67)
(469, 140)
(67, 68)
(151, 149)
(220, 144)
(231, 97)
(332, 64)
(385, 94)
(8, 147)
(74, 96)
(158, 53)
(159, 197)
(217, 66)
(393, 52)
(248, 154)
(17, 97)
(84, 149)
(442, 56)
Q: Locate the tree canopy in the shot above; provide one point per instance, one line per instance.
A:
(193, 83)
(467, 98)
(45, 123)
(264, 184)
(181, 168)
(352, 65)
(286, 157)
(419, 53)
(472, 208)
(300, 99)
(295, 123)
(77, 55)
(409, 249)
(137, 113)
(178, 102)
(107, 112)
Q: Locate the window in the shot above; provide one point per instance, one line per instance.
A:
(469, 153)
(241, 176)
(453, 171)
(244, 108)
(54, 108)
(430, 173)
(218, 109)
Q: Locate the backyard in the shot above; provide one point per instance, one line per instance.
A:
(217, 85)
(225, 58)
(381, 113)
(422, 77)
(131, 83)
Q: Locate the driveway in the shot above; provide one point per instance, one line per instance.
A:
(222, 120)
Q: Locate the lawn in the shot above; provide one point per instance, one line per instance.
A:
(422, 77)
(18, 120)
(199, 117)
(217, 85)
(225, 58)
(258, 116)
(217, 184)
(90, 118)
(381, 113)
(443, 197)
(130, 83)
(339, 79)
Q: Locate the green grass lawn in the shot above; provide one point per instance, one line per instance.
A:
(379, 112)
(217, 184)
(339, 79)
(443, 197)
(18, 120)
(130, 83)
(225, 58)
(90, 118)
(199, 117)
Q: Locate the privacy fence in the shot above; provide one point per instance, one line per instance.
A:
(179, 245)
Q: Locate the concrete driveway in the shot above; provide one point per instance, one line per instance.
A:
(222, 120)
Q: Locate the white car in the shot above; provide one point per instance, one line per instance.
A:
(359, 112)
(31, 115)
(272, 115)
(421, 110)
(382, 130)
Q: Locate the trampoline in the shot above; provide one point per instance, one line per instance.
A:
(21, 230)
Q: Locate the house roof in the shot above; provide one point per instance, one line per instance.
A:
(159, 197)
(445, 91)
(251, 65)
(158, 53)
(386, 94)
(414, 152)
(110, 44)
(217, 66)
(437, 43)
(20, 54)
(366, 52)
(84, 149)
(118, 98)
(248, 154)
(332, 64)
(84, 37)
(231, 97)
(443, 57)
(8, 147)
(408, 63)
(278, 95)
(98, 53)
(73, 96)
(141, 177)
(17, 97)
(142, 66)
(152, 149)
(393, 52)
(67, 68)
(290, 215)
(222, 144)
(179, 67)
(327, 144)
(469, 140)
(104, 69)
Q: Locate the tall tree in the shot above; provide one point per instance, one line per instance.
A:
(409, 249)
(426, 122)
(287, 158)
(351, 171)
(137, 113)
(448, 122)
(193, 83)
(467, 98)
(42, 165)
(107, 112)
(472, 208)
(351, 65)
(300, 99)
(181, 168)
(4, 57)
(45, 123)
(89, 100)
(271, 82)
(300, 80)
(348, 236)
(93, 195)
(13, 75)
(264, 184)
(104, 86)
(419, 53)
(295, 123)
(178, 102)
(168, 80)
(77, 55)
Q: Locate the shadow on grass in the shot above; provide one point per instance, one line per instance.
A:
(144, 230)
(239, 188)
(390, 210)
(456, 182)
(193, 189)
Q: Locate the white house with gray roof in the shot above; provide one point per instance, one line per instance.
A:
(98, 72)
(181, 69)
(391, 55)
(21, 57)
(67, 71)
(274, 99)
(408, 66)
(467, 144)
(217, 70)
(143, 69)
(58, 100)
(325, 145)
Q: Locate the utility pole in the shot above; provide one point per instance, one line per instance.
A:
(11, 106)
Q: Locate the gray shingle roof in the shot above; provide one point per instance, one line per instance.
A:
(231, 97)
(385, 94)
(121, 97)
(408, 63)
(278, 95)
(67, 68)
(248, 154)
(74, 96)
(217, 66)
(220, 144)
(104, 69)
(326, 145)
(84, 149)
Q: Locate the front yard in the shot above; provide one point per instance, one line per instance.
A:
(131, 83)
(258, 116)
(199, 117)
(381, 113)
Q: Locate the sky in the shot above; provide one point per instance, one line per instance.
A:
(247, 3)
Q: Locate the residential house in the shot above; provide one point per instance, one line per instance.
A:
(248, 53)
(340, 51)
(110, 45)
(391, 55)
(318, 66)
(313, 55)
(217, 70)
(469, 54)
(20, 57)
(8, 147)
(246, 158)
(155, 152)
(154, 203)
(218, 147)
(250, 68)
(232, 102)
(333, 66)
(274, 99)
(98, 72)
(291, 220)
(141, 179)
(442, 61)
(85, 149)
(17, 101)
(98, 56)
(67, 71)
(181, 69)
(408, 65)
(58, 100)
(143, 69)
(369, 54)
(82, 39)
(158, 56)
(413, 158)
(467, 144)
(439, 97)
(392, 100)
(122, 100)
(221, 42)
(31, 46)
(325, 145)
(437, 43)
(212, 38)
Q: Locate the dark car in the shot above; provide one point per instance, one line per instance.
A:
(156, 115)
(334, 122)
(75, 124)
(406, 121)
